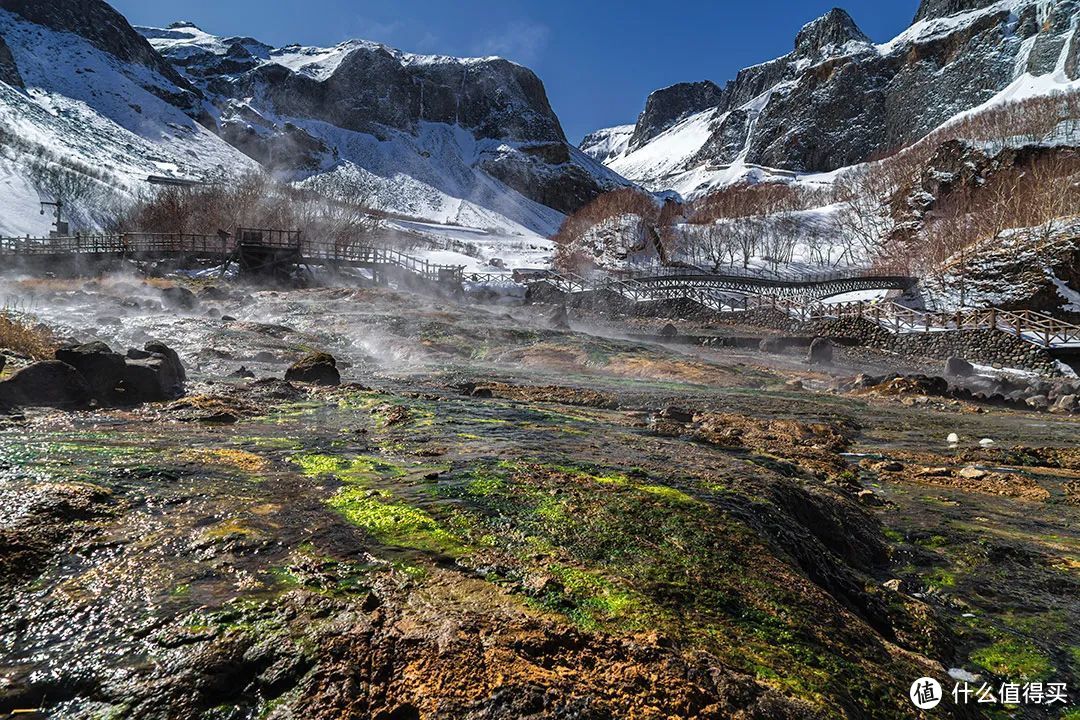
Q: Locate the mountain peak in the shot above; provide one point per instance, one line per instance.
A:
(834, 28)
(667, 106)
(183, 24)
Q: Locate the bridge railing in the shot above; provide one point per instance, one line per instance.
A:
(67, 245)
(1028, 325)
(376, 255)
(763, 275)
(178, 243)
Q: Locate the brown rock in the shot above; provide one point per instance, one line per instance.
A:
(317, 368)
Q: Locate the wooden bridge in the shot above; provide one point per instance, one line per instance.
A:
(800, 297)
(728, 290)
(254, 250)
(1030, 326)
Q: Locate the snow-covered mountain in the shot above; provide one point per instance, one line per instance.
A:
(467, 141)
(452, 133)
(608, 142)
(91, 116)
(837, 99)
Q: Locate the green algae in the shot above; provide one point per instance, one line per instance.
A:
(1011, 657)
(354, 468)
(393, 523)
(589, 600)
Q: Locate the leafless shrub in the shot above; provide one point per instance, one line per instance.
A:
(255, 200)
(569, 253)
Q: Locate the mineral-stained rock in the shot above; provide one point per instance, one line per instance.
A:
(49, 383)
(1037, 402)
(676, 414)
(317, 368)
(1065, 403)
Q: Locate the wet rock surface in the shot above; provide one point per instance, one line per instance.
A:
(317, 368)
(50, 383)
(510, 520)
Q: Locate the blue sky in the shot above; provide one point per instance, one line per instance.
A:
(599, 59)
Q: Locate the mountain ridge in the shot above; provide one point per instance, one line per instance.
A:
(434, 137)
(838, 99)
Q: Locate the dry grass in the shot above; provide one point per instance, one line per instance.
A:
(21, 336)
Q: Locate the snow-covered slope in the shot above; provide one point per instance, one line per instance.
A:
(838, 99)
(431, 136)
(89, 109)
(607, 142)
(88, 121)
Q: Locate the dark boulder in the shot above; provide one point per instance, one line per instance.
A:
(821, 352)
(152, 379)
(49, 383)
(669, 331)
(212, 292)
(677, 414)
(958, 367)
(316, 368)
(102, 368)
(3, 362)
(177, 367)
(178, 298)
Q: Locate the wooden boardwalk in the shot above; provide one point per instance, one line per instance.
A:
(801, 298)
(798, 296)
(220, 249)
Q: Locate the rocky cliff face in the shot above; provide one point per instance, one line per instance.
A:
(942, 8)
(666, 107)
(838, 99)
(283, 107)
(466, 141)
(100, 24)
(9, 73)
(607, 143)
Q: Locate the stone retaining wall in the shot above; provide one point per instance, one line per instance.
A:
(986, 347)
